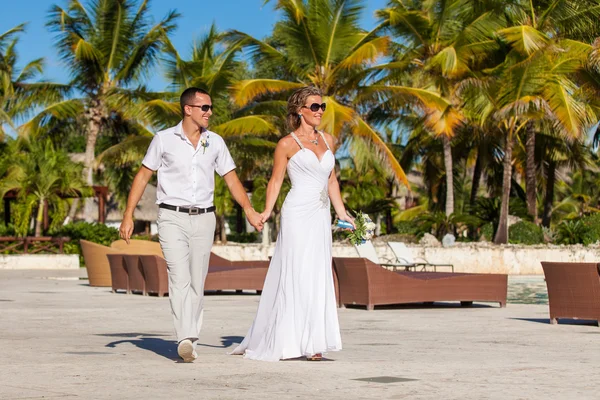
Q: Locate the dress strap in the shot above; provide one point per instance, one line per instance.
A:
(325, 140)
(297, 140)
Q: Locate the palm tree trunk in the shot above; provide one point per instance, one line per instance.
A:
(449, 175)
(530, 169)
(39, 219)
(502, 233)
(549, 198)
(476, 176)
(94, 115)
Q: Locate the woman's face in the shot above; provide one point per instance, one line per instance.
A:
(310, 116)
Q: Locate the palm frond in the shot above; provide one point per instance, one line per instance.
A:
(245, 91)
(248, 125)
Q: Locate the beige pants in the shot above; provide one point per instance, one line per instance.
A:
(186, 241)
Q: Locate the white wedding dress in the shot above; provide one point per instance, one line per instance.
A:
(297, 313)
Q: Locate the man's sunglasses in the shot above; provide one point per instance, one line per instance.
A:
(204, 107)
(314, 107)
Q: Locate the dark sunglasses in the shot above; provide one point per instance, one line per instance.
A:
(314, 107)
(204, 107)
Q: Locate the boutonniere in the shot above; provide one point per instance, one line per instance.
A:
(204, 143)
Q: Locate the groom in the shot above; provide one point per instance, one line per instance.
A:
(186, 157)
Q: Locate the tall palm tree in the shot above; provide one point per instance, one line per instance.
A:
(109, 48)
(319, 43)
(440, 43)
(21, 90)
(539, 25)
(534, 83)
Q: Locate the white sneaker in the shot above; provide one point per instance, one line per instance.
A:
(185, 349)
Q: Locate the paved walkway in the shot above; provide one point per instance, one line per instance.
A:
(60, 338)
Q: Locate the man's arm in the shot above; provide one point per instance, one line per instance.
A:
(239, 194)
(135, 194)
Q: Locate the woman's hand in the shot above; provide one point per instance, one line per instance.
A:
(265, 216)
(345, 217)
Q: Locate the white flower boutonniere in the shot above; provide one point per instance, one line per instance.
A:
(204, 143)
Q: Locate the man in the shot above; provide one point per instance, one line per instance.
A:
(186, 157)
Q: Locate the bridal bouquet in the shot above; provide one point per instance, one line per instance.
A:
(365, 228)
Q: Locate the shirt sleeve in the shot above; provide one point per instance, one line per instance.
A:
(153, 158)
(224, 163)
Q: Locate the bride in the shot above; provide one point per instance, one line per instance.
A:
(297, 313)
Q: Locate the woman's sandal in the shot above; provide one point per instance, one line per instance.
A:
(316, 357)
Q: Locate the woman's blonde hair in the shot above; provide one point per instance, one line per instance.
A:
(295, 102)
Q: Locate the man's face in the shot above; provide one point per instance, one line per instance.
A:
(195, 110)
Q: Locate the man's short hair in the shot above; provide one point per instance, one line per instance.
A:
(188, 96)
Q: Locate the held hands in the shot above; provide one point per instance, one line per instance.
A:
(255, 219)
(265, 216)
(126, 228)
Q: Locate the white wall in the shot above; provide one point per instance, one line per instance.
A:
(471, 257)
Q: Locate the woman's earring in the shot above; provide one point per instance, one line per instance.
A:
(299, 116)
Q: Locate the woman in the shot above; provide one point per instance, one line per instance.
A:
(297, 313)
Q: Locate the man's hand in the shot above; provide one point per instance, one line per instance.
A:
(126, 228)
(254, 218)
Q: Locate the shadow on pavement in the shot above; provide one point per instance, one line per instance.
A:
(562, 321)
(226, 341)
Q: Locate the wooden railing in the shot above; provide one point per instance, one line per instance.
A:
(32, 245)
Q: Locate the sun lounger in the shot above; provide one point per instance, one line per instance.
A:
(405, 258)
(118, 273)
(363, 282)
(573, 290)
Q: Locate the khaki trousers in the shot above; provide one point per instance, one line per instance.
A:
(186, 241)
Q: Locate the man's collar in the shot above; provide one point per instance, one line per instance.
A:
(178, 130)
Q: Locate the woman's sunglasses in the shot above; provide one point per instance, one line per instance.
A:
(314, 107)
(204, 107)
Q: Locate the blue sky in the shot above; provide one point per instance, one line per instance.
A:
(249, 16)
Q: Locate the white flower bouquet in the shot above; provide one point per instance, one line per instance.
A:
(365, 228)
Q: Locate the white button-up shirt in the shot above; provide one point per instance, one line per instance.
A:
(186, 176)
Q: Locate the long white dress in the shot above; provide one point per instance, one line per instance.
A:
(297, 313)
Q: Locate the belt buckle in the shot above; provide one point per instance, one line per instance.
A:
(193, 211)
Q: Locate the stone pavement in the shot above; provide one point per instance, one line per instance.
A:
(60, 338)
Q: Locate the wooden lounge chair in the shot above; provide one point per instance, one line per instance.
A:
(218, 261)
(240, 276)
(406, 260)
(155, 274)
(137, 247)
(363, 282)
(573, 290)
(118, 273)
(137, 281)
(96, 262)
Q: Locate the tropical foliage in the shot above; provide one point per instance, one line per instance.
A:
(489, 107)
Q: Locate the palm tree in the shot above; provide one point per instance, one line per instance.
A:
(440, 43)
(215, 69)
(20, 93)
(532, 84)
(109, 47)
(319, 43)
(42, 176)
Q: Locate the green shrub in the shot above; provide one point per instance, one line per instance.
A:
(487, 231)
(7, 230)
(524, 232)
(592, 232)
(93, 232)
(97, 233)
(407, 227)
(572, 232)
